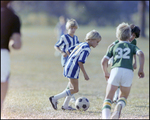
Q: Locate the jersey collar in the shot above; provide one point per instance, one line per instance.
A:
(123, 41)
(70, 36)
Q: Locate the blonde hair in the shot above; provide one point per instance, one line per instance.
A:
(92, 35)
(71, 23)
(123, 31)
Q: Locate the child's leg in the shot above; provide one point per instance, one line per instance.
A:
(67, 99)
(68, 85)
(62, 94)
(73, 89)
(106, 110)
(73, 99)
(53, 99)
(116, 96)
(122, 101)
(125, 91)
(117, 110)
(74, 84)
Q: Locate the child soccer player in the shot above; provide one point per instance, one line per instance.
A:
(135, 33)
(72, 68)
(60, 29)
(66, 41)
(122, 70)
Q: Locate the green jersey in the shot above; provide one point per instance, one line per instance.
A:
(122, 54)
(132, 42)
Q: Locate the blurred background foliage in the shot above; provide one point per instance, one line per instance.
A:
(97, 13)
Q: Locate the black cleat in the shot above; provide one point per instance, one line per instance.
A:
(53, 102)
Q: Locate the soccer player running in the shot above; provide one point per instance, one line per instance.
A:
(135, 33)
(76, 59)
(66, 41)
(122, 71)
(10, 37)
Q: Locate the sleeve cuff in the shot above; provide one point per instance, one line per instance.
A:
(81, 61)
(106, 57)
(56, 46)
(138, 51)
(113, 43)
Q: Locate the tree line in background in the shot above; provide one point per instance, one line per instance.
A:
(99, 13)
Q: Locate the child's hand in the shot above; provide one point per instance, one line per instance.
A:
(134, 66)
(141, 74)
(107, 76)
(64, 54)
(86, 77)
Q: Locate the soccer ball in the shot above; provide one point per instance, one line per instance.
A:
(82, 103)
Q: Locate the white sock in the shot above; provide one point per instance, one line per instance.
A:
(62, 94)
(66, 102)
(122, 101)
(106, 110)
(106, 113)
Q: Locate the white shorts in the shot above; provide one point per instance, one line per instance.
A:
(5, 65)
(121, 77)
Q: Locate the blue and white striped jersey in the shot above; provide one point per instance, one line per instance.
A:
(67, 41)
(79, 54)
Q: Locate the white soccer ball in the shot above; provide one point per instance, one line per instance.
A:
(82, 103)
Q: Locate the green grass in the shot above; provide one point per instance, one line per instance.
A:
(36, 74)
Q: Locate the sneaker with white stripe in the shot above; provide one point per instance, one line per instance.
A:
(117, 112)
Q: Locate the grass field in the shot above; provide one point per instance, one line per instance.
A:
(36, 74)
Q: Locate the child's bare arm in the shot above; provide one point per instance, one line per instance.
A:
(15, 41)
(104, 65)
(141, 61)
(68, 53)
(134, 64)
(83, 71)
(58, 49)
